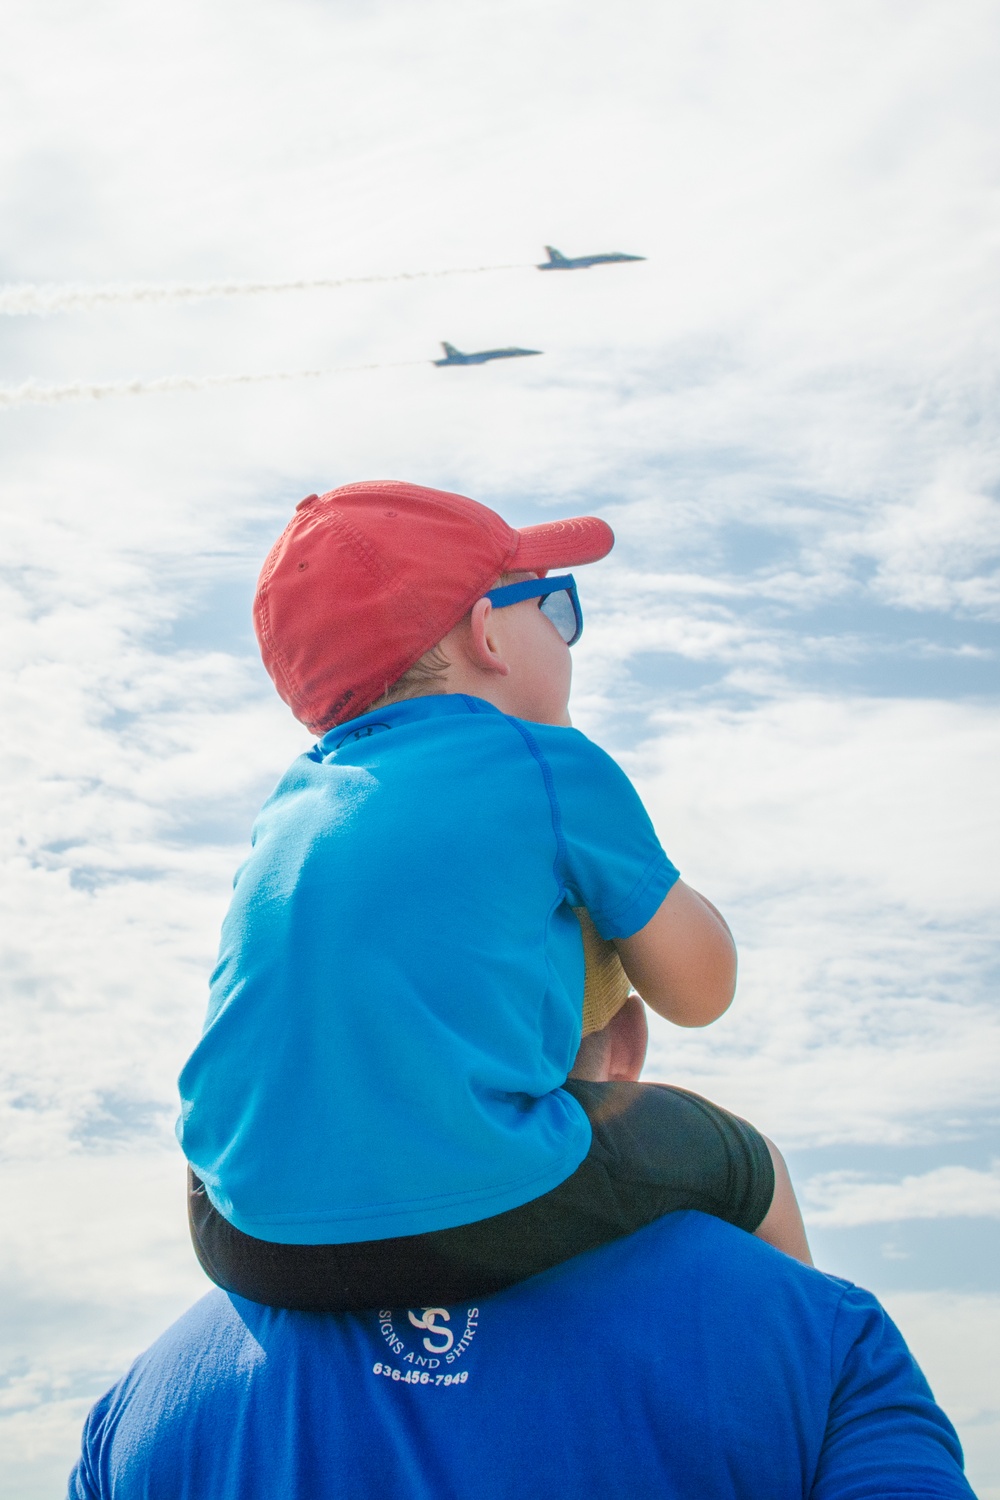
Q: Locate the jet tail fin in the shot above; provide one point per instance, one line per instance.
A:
(449, 350)
(556, 257)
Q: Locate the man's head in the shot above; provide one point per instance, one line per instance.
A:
(366, 579)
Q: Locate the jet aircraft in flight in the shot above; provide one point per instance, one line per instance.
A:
(559, 262)
(453, 356)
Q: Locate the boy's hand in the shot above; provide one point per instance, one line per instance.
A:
(683, 962)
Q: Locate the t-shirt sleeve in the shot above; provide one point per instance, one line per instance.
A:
(610, 858)
(84, 1483)
(886, 1438)
(80, 1487)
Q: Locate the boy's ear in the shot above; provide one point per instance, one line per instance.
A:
(482, 643)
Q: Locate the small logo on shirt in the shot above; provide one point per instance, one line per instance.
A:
(428, 1320)
(428, 1345)
(364, 733)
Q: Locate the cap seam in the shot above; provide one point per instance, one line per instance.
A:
(338, 522)
(332, 519)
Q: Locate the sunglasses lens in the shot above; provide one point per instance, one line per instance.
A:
(559, 609)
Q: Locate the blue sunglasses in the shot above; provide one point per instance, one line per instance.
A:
(557, 600)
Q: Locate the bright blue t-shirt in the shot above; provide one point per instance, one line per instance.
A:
(688, 1361)
(399, 990)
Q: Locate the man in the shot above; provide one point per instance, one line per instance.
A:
(688, 1360)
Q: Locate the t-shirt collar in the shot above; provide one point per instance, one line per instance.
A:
(406, 711)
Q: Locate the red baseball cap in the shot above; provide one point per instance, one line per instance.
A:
(366, 578)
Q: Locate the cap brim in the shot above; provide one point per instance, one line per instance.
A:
(559, 544)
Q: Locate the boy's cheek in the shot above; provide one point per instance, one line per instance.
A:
(553, 689)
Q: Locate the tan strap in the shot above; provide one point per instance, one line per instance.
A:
(606, 986)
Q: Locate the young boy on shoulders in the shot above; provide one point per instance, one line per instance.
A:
(378, 1112)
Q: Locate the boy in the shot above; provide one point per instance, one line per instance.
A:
(406, 930)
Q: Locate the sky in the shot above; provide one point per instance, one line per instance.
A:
(787, 412)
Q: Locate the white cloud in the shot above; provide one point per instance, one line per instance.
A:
(819, 791)
(839, 1200)
(850, 844)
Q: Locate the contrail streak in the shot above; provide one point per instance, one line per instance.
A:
(40, 300)
(80, 390)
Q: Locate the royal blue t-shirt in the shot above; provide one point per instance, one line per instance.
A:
(399, 990)
(688, 1361)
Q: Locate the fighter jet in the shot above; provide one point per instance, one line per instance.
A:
(559, 262)
(453, 356)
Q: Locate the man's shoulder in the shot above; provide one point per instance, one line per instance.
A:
(724, 1266)
(206, 1338)
(634, 1293)
(702, 1255)
(643, 1276)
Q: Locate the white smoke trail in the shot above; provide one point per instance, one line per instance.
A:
(41, 300)
(31, 391)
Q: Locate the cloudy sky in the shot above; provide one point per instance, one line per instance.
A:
(788, 413)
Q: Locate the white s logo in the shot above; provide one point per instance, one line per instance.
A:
(427, 1321)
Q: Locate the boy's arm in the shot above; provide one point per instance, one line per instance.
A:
(683, 962)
